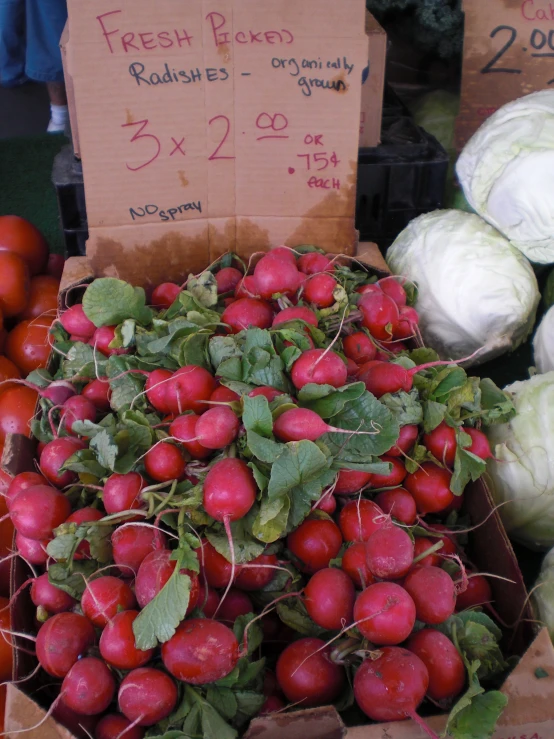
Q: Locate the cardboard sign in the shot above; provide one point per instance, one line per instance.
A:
(373, 87)
(508, 52)
(204, 113)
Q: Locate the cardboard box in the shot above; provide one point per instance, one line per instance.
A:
(373, 86)
(508, 50)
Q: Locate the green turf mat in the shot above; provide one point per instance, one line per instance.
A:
(26, 187)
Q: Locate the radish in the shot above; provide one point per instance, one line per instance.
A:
(446, 669)
(104, 597)
(319, 290)
(102, 339)
(329, 599)
(75, 321)
(36, 511)
(421, 545)
(399, 504)
(392, 287)
(297, 424)
(229, 490)
(430, 487)
(99, 393)
(165, 462)
(380, 315)
(183, 428)
(314, 544)
(274, 275)
(154, 572)
(258, 573)
(217, 428)
(407, 323)
(89, 687)
(327, 503)
(422, 581)
(117, 643)
(122, 492)
(389, 553)
(282, 252)
(391, 687)
(21, 482)
(306, 674)
(236, 604)
(268, 392)
(216, 569)
(84, 515)
(156, 386)
(406, 439)
(32, 550)
(227, 279)
(355, 565)
(352, 370)
(446, 536)
(132, 543)
(479, 444)
(314, 262)
(385, 613)
(146, 696)
(371, 288)
(246, 313)
(246, 288)
(359, 347)
(395, 477)
(62, 640)
(273, 703)
(477, 593)
(201, 651)
(49, 597)
(351, 481)
(188, 388)
(441, 442)
(381, 378)
(208, 601)
(320, 366)
(77, 408)
(165, 295)
(116, 726)
(359, 519)
(57, 392)
(298, 313)
(54, 455)
(224, 394)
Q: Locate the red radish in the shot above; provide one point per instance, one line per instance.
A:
(122, 492)
(147, 696)
(208, 600)
(247, 313)
(479, 444)
(351, 481)
(389, 553)
(391, 687)
(227, 279)
(306, 674)
(274, 275)
(188, 388)
(320, 366)
(371, 288)
(297, 424)
(84, 515)
(441, 442)
(421, 545)
(392, 287)
(430, 486)
(380, 315)
(165, 295)
(229, 490)
(319, 290)
(80, 339)
(315, 543)
(164, 462)
(201, 651)
(327, 503)
(399, 504)
(314, 262)
(246, 288)
(359, 347)
(395, 477)
(381, 378)
(329, 599)
(236, 604)
(154, 572)
(215, 567)
(99, 393)
(405, 441)
(390, 347)
(477, 593)
(21, 482)
(183, 428)
(77, 408)
(272, 704)
(352, 369)
(104, 597)
(446, 669)
(54, 268)
(283, 252)
(224, 394)
(385, 613)
(32, 550)
(268, 392)
(49, 597)
(75, 321)
(116, 726)
(54, 455)
(217, 427)
(447, 536)
(423, 582)
(132, 543)
(407, 323)
(156, 387)
(58, 392)
(117, 643)
(102, 339)
(89, 687)
(62, 640)
(257, 573)
(355, 565)
(359, 519)
(36, 511)
(298, 313)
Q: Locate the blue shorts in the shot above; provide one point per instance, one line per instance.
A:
(30, 32)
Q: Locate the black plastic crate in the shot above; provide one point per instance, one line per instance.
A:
(67, 177)
(398, 180)
(75, 241)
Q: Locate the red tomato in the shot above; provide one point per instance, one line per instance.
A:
(14, 283)
(3, 337)
(21, 237)
(17, 407)
(6, 541)
(54, 268)
(43, 298)
(28, 346)
(8, 371)
(5, 641)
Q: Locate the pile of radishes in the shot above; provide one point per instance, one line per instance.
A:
(177, 512)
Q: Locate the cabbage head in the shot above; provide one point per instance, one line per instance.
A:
(436, 112)
(543, 596)
(522, 471)
(543, 343)
(507, 173)
(476, 292)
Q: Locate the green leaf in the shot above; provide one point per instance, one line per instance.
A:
(255, 632)
(108, 302)
(467, 466)
(261, 480)
(83, 361)
(203, 288)
(125, 389)
(193, 349)
(40, 378)
(433, 415)
(99, 539)
(497, 405)
(265, 450)
(303, 496)
(256, 415)
(63, 547)
(231, 369)
(84, 462)
(271, 522)
(72, 581)
(214, 726)
(249, 703)
(334, 400)
(223, 700)
(245, 545)
(293, 613)
(476, 713)
(106, 450)
(221, 348)
(476, 637)
(405, 406)
(299, 462)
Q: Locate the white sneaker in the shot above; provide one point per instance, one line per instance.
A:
(56, 127)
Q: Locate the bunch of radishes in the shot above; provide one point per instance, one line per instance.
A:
(150, 513)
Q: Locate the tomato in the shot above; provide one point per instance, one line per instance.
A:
(28, 346)
(22, 238)
(5, 641)
(14, 284)
(17, 407)
(6, 541)
(8, 371)
(3, 337)
(43, 298)
(55, 265)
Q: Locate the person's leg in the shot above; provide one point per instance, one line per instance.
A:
(12, 42)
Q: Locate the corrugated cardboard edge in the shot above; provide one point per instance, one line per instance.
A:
(22, 712)
(374, 87)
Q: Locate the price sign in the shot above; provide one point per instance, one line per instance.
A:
(237, 119)
(508, 52)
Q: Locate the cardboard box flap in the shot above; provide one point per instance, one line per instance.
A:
(319, 723)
